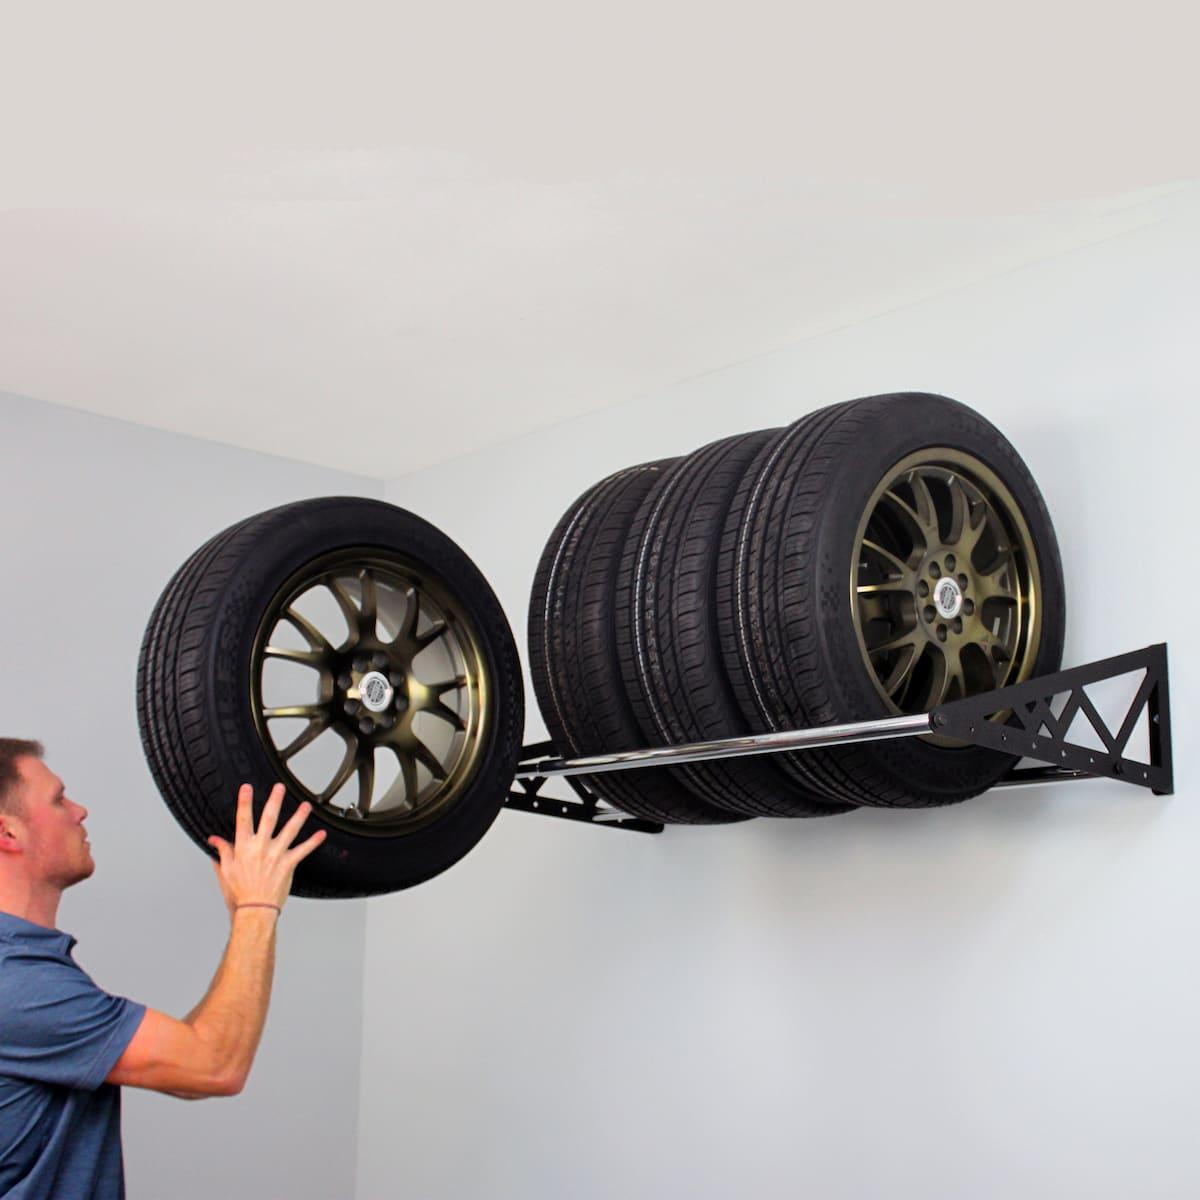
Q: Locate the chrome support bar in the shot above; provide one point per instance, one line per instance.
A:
(756, 743)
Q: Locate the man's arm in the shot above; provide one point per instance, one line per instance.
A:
(209, 1052)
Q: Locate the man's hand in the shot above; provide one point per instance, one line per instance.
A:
(258, 867)
(210, 1052)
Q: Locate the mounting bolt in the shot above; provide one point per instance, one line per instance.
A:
(379, 660)
(963, 581)
(958, 625)
(968, 607)
(929, 613)
(934, 570)
(949, 563)
(366, 726)
(922, 588)
(345, 682)
(396, 678)
(350, 707)
(360, 664)
(1118, 768)
(939, 719)
(941, 633)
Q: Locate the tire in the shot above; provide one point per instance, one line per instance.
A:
(410, 604)
(811, 595)
(672, 663)
(576, 616)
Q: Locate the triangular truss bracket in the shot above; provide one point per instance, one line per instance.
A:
(1022, 720)
(585, 805)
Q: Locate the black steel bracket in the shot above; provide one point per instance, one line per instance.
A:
(1021, 720)
(585, 805)
(1034, 729)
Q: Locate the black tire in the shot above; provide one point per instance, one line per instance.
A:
(203, 737)
(672, 663)
(576, 615)
(791, 643)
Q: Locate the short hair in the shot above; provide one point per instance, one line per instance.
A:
(10, 750)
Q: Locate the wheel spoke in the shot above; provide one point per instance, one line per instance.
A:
(412, 613)
(366, 618)
(926, 509)
(439, 709)
(908, 638)
(941, 680)
(919, 529)
(447, 685)
(306, 738)
(900, 699)
(311, 634)
(348, 607)
(430, 635)
(423, 754)
(951, 672)
(901, 673)
(349, 764)
(893, 587)
(971, 532)
(408, 775)
(310, 658)
(960, 510)
(311, 711)
(902, 569)
(366, 785)
(996, 585)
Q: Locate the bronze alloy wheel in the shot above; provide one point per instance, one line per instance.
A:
(369, 691)
(945, 588)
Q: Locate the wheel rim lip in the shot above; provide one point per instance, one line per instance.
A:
(1003, 504)
(387, 565)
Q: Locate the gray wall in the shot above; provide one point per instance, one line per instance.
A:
(96, 515)
(991, 1001)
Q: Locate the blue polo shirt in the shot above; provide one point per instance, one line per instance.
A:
(60, 1035)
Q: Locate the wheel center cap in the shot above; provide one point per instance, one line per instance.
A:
(948, 597)
(375, 691)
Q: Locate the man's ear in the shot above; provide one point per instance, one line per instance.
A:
(10, 841)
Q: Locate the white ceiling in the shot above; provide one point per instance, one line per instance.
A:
(376, 236)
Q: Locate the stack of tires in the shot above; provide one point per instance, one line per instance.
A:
(876, 557)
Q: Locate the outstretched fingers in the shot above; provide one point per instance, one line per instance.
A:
(290, 831)
(270, 813)
(244, 827)
(297, 854)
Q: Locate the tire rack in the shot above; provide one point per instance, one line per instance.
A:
(1033, 731)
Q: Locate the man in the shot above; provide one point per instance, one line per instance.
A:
(65, 1045)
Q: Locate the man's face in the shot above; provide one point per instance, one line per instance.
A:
(50, 827)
